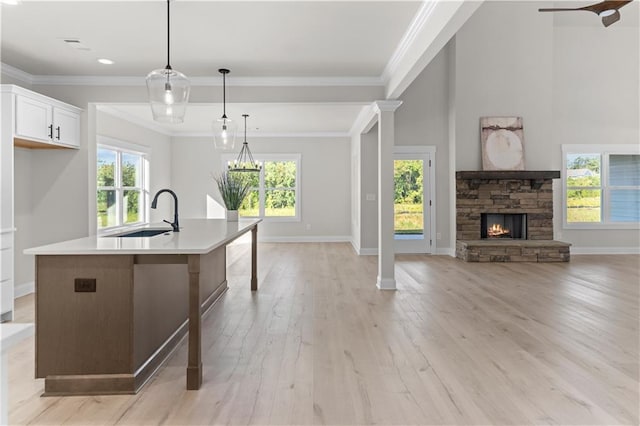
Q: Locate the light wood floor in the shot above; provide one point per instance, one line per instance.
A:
(458, 343)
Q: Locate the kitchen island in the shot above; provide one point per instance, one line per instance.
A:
(110, 309)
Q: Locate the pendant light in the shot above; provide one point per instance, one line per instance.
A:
(168, 89)
(224, 129)
(245, 161)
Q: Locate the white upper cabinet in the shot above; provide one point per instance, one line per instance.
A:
(45, 121)
(33, 119)
(66, 127)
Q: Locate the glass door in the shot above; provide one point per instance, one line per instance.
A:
(412, 203)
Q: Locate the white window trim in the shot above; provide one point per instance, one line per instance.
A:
(226, 158)
(605, 151)
(129, 147)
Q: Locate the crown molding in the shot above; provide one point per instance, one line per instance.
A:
(97, 80)
(299, 135)
(16, 73)
(386, 106)
(176, 133)
(365, 121)
(134, 120)
(416, 26)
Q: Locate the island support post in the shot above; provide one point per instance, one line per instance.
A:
(194, 366)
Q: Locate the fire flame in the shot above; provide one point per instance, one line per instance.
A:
(496, 230)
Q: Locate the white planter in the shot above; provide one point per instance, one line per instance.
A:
(232, 215)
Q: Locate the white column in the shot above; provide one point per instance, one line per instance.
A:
(386, 139)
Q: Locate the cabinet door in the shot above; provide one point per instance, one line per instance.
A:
(6, 272)
(66, 127)
(33, 119)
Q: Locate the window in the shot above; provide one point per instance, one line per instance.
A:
(601, 186)
(274, 193)
(122, 187)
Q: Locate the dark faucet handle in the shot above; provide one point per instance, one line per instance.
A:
(174, 225)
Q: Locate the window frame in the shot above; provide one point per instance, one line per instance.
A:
(605, 151)
(120, 147)
(262, 158)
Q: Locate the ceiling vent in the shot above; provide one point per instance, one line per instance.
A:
(76, 44)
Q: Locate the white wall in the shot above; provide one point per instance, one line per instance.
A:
(570, 85)
(596, 97)
(504, 57)
(23, 206)
(423, 119)
(369, 185)
(159, 158)
(325, 184)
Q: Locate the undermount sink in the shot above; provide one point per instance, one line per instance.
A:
(144, 233)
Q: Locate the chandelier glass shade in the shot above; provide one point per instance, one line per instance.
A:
(224, 129)
(168, 89)
(244, 162)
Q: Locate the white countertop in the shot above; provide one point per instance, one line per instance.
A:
(196, 236)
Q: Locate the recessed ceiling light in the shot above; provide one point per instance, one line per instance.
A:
(105, 61)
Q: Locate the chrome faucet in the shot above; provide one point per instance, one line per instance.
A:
(175, 225)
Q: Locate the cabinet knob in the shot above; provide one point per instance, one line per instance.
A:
(58, 132)
(50, 131)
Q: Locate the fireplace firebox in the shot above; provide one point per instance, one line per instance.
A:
(498, 225)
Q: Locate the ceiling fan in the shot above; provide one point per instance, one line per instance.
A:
(607, 10)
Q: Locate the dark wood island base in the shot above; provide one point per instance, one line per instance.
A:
(105, 323)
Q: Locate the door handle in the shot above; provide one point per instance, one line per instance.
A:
(50, 131)
(58, 132)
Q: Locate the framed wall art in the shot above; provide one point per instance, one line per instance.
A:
(502, 143)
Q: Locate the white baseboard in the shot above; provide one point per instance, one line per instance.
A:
(311, 239)
(604, 250)
(374, 251)
(445, 252)
(364, 251)
(24, 289)
(368, 252)
(386, 284)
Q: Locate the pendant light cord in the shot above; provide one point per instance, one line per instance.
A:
(245, 127)
(168, 36)
(224, 95)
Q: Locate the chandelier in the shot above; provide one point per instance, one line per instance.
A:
(245, 161)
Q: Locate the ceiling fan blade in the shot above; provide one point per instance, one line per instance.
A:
(607, 5)
(596, 8)
(608, 20)
(559, 9)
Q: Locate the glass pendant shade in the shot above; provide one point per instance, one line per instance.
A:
(168, 89)
(168, 95)
(224, 129)
(224, 134)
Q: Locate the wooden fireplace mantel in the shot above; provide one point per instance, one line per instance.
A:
(536, 177)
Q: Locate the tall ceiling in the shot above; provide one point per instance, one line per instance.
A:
(378, 42)
(312, 40)
(253, 39)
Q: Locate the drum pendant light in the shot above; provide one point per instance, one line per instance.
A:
(168, 89)
(224, 129)
(245, 161)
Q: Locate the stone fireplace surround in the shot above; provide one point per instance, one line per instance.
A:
(523, 191)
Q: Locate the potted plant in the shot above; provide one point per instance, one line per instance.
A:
(233, 190)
